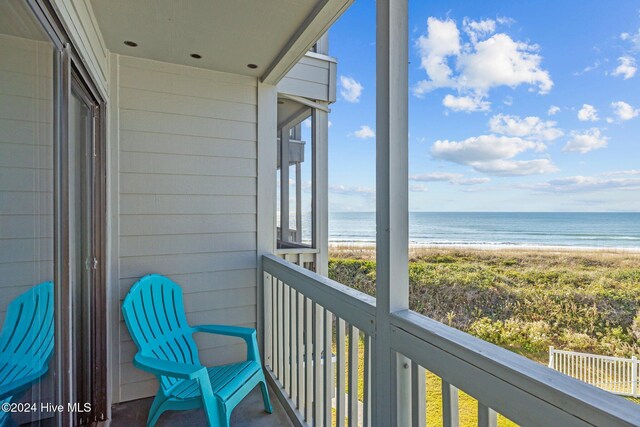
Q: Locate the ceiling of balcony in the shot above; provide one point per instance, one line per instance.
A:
(228, 35)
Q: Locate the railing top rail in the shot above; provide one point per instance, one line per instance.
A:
(521, 389)
(355, 307)
(593, 356)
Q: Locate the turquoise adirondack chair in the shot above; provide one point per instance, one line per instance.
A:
(154, 314)
(26, 344)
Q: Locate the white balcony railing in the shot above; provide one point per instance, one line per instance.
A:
(307, 314)
(617, 375)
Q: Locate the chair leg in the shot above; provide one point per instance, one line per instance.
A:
(156, 410)
(265, 396)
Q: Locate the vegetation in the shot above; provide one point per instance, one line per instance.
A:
(523, 300)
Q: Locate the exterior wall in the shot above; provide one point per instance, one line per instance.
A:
(78, 19)
(313, 77)
(187, 176)
(26, 166)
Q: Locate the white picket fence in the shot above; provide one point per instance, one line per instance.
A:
(614, 374)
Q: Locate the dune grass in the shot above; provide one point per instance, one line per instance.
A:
(522, 300)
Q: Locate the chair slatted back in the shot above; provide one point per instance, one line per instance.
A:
(154, 313)
(26, 339)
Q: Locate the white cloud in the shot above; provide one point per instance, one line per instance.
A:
(436, 177)
(501, 61)
(483, 64)
(624, 111)
(577, 184)
(365, 132)
(452, 178)
(480, 149)
(348, 190)
(505, 20)
(633, 38)
(553, 110)
(418, 188)
(516, 167)
(473, 181)
(478, 29)
(626, 67)
(465, 103)
(350, 89)
(588, 68)
(528, 127)
(588, 113)
(442, 40)
(583, 142)
(493, 155)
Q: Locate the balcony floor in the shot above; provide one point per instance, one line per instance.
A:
(248, 413)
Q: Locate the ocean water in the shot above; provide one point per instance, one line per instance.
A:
(497, 229)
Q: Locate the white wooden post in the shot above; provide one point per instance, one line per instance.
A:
(284, 184)
(634, 376)
(320, 182)
(551, 361)
(298, 238)
(392, 217)
(266, 209)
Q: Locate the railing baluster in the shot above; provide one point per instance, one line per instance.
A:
(450, 411)
(487, 417)
(300, 402)
(418, 395)
(279, 330)
(341, 367)
(366, 422)
(328, 367)
(317, 364)
(308, 365)
(293, 334)
(286, 341)
(352, 407)
(634, 376)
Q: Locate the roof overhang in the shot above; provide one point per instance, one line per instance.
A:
(228, 35)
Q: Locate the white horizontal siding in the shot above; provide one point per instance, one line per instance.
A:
(26, 166)
(187, 200)
(311, 78)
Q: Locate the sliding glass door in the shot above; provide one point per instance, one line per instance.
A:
(27, 359)
(52, 210)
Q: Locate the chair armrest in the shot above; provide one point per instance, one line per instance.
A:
(18, 386)
(247, 334)
(167, 368)
(234, 331)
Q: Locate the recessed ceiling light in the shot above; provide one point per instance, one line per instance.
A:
(252, 66)
(130, 43)
(196, 56)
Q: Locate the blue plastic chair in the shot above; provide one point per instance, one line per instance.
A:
(154, 313)
(26, 344)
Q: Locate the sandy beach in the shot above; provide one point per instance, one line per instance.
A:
(366, 250)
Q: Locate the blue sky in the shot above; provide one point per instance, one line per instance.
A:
(514, 106)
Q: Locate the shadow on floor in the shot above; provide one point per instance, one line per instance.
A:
(250, 412)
